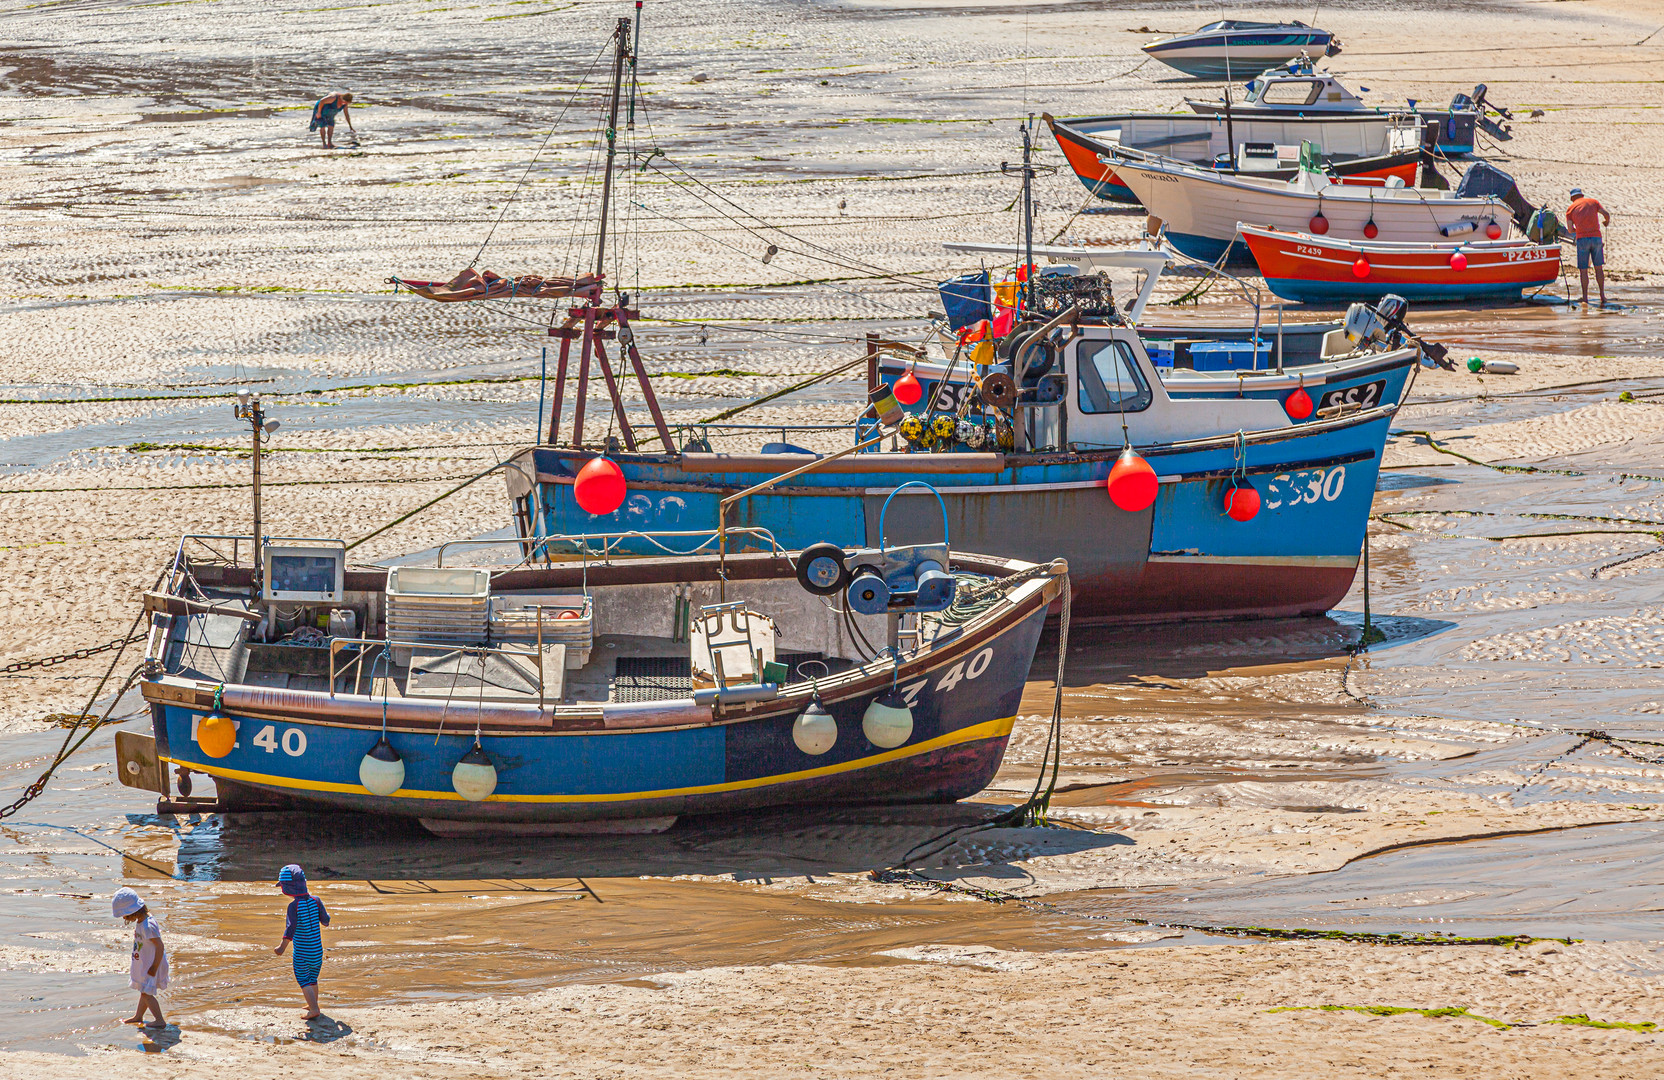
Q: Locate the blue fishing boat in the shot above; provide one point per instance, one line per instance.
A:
(1022, 439)
(608, 695)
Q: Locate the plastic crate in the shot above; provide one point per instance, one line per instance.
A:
(1230, 356)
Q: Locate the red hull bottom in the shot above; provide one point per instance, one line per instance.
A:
(1177, 591)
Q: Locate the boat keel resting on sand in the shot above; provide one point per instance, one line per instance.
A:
(605, 695)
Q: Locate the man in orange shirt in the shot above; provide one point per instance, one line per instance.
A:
(1585, 216)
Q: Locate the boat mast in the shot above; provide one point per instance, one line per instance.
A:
(248, 408)
(592, 324)
(621, 38)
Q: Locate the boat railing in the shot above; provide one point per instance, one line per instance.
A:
(201, 540)
(583, 544)
(378, 649)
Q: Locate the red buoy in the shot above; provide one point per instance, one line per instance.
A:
(1298, 405)
(1493, 231)
(1360, 269)
(1458, 261)
(1242, 503)
(1371, 230)
(907, 389)
(600, 487)
(1132, 483)
(1320, 224)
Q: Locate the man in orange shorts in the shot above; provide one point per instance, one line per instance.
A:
(1585, 216)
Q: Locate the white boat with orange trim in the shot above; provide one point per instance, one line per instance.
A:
(1199, 209)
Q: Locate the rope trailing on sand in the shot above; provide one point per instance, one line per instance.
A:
(1032, 811)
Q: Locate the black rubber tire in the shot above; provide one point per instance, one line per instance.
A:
(806, 560)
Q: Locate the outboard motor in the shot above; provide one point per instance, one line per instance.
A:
(1383, 325)
(1484, 179)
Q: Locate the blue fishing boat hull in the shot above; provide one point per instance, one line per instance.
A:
(303, 750)
(1180, 558)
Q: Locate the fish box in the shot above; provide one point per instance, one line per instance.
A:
(1229, 356)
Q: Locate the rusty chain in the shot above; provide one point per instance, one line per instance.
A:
(78, 654)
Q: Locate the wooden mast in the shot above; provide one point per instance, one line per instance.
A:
(591, 323)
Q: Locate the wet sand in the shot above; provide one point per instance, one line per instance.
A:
(175, 234)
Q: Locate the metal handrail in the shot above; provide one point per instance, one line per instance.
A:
(610, 539)
(337, 644)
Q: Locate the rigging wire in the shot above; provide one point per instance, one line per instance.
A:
(518, 184)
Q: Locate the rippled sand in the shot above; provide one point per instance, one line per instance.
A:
(175, 233)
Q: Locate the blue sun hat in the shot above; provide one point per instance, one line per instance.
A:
(292, 880)
(124, 903)
(1577, 193)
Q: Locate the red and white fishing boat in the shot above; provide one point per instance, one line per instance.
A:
(1300, 266)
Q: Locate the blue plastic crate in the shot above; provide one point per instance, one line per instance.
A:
(1161, 353)
(1230, 356)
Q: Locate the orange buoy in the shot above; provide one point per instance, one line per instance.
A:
(1493, 231)
(907, 389)
(1298, 405)
(1242, 503)
(1371, 230)
(1132, 483)
(1360, 269)
(599, 487)
(216, 734)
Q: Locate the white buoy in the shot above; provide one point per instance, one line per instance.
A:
(474, 777)
(815, 731)
(888, 722)
(382, 769)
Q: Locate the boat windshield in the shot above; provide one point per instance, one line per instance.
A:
(1291, 92)
(1109, 381)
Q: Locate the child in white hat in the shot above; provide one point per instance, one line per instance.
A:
(149, 972)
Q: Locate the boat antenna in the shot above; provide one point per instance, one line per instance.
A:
(635, 87)
(1028, 216)
(1027, 171)
(622, 52)
(248, 408)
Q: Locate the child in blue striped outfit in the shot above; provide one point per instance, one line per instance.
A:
(301, 925)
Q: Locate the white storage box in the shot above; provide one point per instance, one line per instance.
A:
(448, 606)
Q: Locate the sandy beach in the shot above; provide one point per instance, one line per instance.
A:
(174, 233)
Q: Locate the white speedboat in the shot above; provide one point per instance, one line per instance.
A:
(1233, 48)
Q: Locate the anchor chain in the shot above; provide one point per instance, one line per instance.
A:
(78, 654)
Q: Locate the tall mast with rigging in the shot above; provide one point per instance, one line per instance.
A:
(593, 323)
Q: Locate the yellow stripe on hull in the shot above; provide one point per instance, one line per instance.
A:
(992, 729)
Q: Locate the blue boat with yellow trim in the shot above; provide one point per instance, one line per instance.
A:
(603, 695)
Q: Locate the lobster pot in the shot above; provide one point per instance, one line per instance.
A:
(567, 620)
(441, 606)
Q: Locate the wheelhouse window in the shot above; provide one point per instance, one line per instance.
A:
(1109, 381)
(1291, 92)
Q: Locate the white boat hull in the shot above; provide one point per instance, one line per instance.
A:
(1200, 211)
